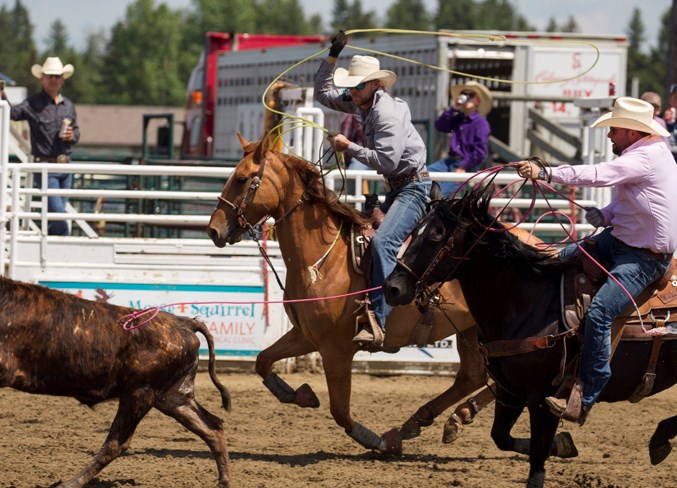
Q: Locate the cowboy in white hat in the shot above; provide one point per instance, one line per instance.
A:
(392, 147)
(470, 131)
(639, 236)
(54, 129)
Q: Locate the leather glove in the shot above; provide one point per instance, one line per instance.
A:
(594, 216)
(338, 42)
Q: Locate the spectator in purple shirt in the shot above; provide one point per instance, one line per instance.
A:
(470, 131)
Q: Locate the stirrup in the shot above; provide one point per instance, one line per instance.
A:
(368, 334)
(573, 409)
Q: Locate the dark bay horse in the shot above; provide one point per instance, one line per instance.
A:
(513, 293)
(311, 223)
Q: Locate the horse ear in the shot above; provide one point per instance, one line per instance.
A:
(243, 142)
(436, 192)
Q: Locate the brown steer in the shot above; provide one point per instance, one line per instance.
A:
(54, 343)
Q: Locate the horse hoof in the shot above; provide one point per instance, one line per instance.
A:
(393, 442)
(305, 397)
(564, 446)
(452, 430)
(659, 453)
(410, 429)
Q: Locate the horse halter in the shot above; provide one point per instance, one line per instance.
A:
(248, 197)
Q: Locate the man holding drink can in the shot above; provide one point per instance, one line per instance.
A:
(54, 129)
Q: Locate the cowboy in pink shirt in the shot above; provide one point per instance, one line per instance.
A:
(640, 235)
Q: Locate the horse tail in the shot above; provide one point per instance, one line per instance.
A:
(200, 327)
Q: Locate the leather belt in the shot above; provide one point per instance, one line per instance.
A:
(661, 256)
(397, 182)
(61, 158)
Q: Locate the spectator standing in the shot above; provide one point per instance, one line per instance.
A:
(54, 129)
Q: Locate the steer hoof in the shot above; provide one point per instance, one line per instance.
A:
(305, 397)
(393, 442)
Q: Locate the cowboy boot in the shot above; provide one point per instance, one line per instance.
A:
(572, 409)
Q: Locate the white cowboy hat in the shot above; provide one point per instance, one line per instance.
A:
(486, 99)
(52, 66)
(361, 69)
(631, 113)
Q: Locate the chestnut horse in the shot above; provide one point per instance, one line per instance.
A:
(311, 223)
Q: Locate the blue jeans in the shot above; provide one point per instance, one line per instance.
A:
(447, 165)
(635, 270)
(403, 207)
(56, 181)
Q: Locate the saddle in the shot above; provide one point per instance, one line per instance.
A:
(360, 247)
(655, 308)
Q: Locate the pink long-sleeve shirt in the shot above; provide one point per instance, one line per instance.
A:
(643, 208)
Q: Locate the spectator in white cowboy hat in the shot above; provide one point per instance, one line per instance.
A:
(393, 148)
(470, 131)
(639, 239)
(54, 129)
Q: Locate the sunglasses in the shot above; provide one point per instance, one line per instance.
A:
(54, 76)
(358, 87)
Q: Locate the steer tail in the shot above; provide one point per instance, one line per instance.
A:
(225, 395)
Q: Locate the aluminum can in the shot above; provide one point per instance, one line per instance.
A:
(65, 124)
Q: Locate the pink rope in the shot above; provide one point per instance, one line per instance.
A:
(155, 310)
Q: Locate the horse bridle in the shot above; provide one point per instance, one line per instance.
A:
(251, 191)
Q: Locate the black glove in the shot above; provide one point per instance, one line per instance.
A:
(594, 216)
(338, 42)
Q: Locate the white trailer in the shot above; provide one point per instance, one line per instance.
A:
(524, 70)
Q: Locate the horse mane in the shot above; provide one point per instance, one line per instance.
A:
(317, 193)
(472, 211)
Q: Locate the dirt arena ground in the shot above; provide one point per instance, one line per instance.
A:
(46, 440)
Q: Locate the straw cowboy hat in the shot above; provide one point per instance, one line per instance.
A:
(631, 113)
(478, 89)
(52, 66)
(361, 69)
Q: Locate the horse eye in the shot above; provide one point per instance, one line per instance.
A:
(241, 179)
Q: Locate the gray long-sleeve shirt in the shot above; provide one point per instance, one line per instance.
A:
(392, 145)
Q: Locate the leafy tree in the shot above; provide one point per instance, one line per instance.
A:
(552, 26)
(640, 65)
(350, 16)
(408, 14)
(281, 17)
(17, 49)
(57, 39)
(458, 15)
(569, 26)
(86, 85)
(141, 66)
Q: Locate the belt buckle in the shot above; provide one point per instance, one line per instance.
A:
(62, 158)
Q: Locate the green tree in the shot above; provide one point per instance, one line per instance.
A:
(408, 14)
(17, 49)
(457, 15)
(348, 16)
(86, 85)
(281, 17)
(640, 65)
(57, 39)
(141, 64)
